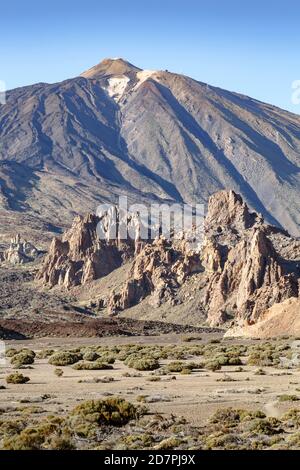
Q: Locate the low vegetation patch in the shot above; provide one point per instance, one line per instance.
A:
(111, 411)
(17, 378)
(288, 398)
(96, 365)
(24, 357)
(138, 362)
(64, 358)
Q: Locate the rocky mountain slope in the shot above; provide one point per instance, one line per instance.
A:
(152, 135)
(242, 269)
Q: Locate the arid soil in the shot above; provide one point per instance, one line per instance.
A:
(195, 394)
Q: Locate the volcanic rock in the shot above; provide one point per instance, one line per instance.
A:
(19, 252)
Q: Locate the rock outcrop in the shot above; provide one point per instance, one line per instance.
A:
(19, 252)
(158, 270)
(243, 266)
(245, 274)
(281, 319)
(91, 249)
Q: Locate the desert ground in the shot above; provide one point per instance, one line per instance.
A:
(185, 386)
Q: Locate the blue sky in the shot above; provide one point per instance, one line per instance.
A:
(252, 49)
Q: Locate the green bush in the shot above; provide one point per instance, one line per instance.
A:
(90, 356)
(213, 365)
(231, 417)
(175, 366)
(17, 378)
(28, 439)
(293, 417)
(268, 426)
(141, 362)
(186, 371)
(24, 357)
(64, 358)
(168, 443)
(10, 352)
(111, 411)
(58, 442)
(107, 357)
(222, 440)
(288, 398)
(96, 365)
(46, 435)
(45, 353)
(228, 359)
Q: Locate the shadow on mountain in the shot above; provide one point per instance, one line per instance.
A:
(268, 149)
(16, 183)
(199, 133)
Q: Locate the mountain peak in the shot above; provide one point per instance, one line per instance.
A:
(109, 67)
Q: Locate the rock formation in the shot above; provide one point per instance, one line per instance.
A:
(281, 319)
(245, 274)
(159, 269)
(245, 266)
(19, 252)
(84, 254)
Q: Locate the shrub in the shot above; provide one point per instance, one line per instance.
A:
(231, 417)
(138, 441)
(111, 411)
(64, 358)
(222, 440)
(45, 353)
(17, 378)
(175, 366)
(168, 443)
(260, 372)
(28, 439)
(264, 355)
(58, 442)
(186, 371)
(10, 352)
(58, 372)
(178, 366)
(24, 357)
(141, 362)
(226, 378)
(228, 359)
(46, 435)
(104, 380)
(292, 416)
(107, 357)
(288, 398)
(90, 356)
(268, 426)
(96, 365)
(213, 365)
